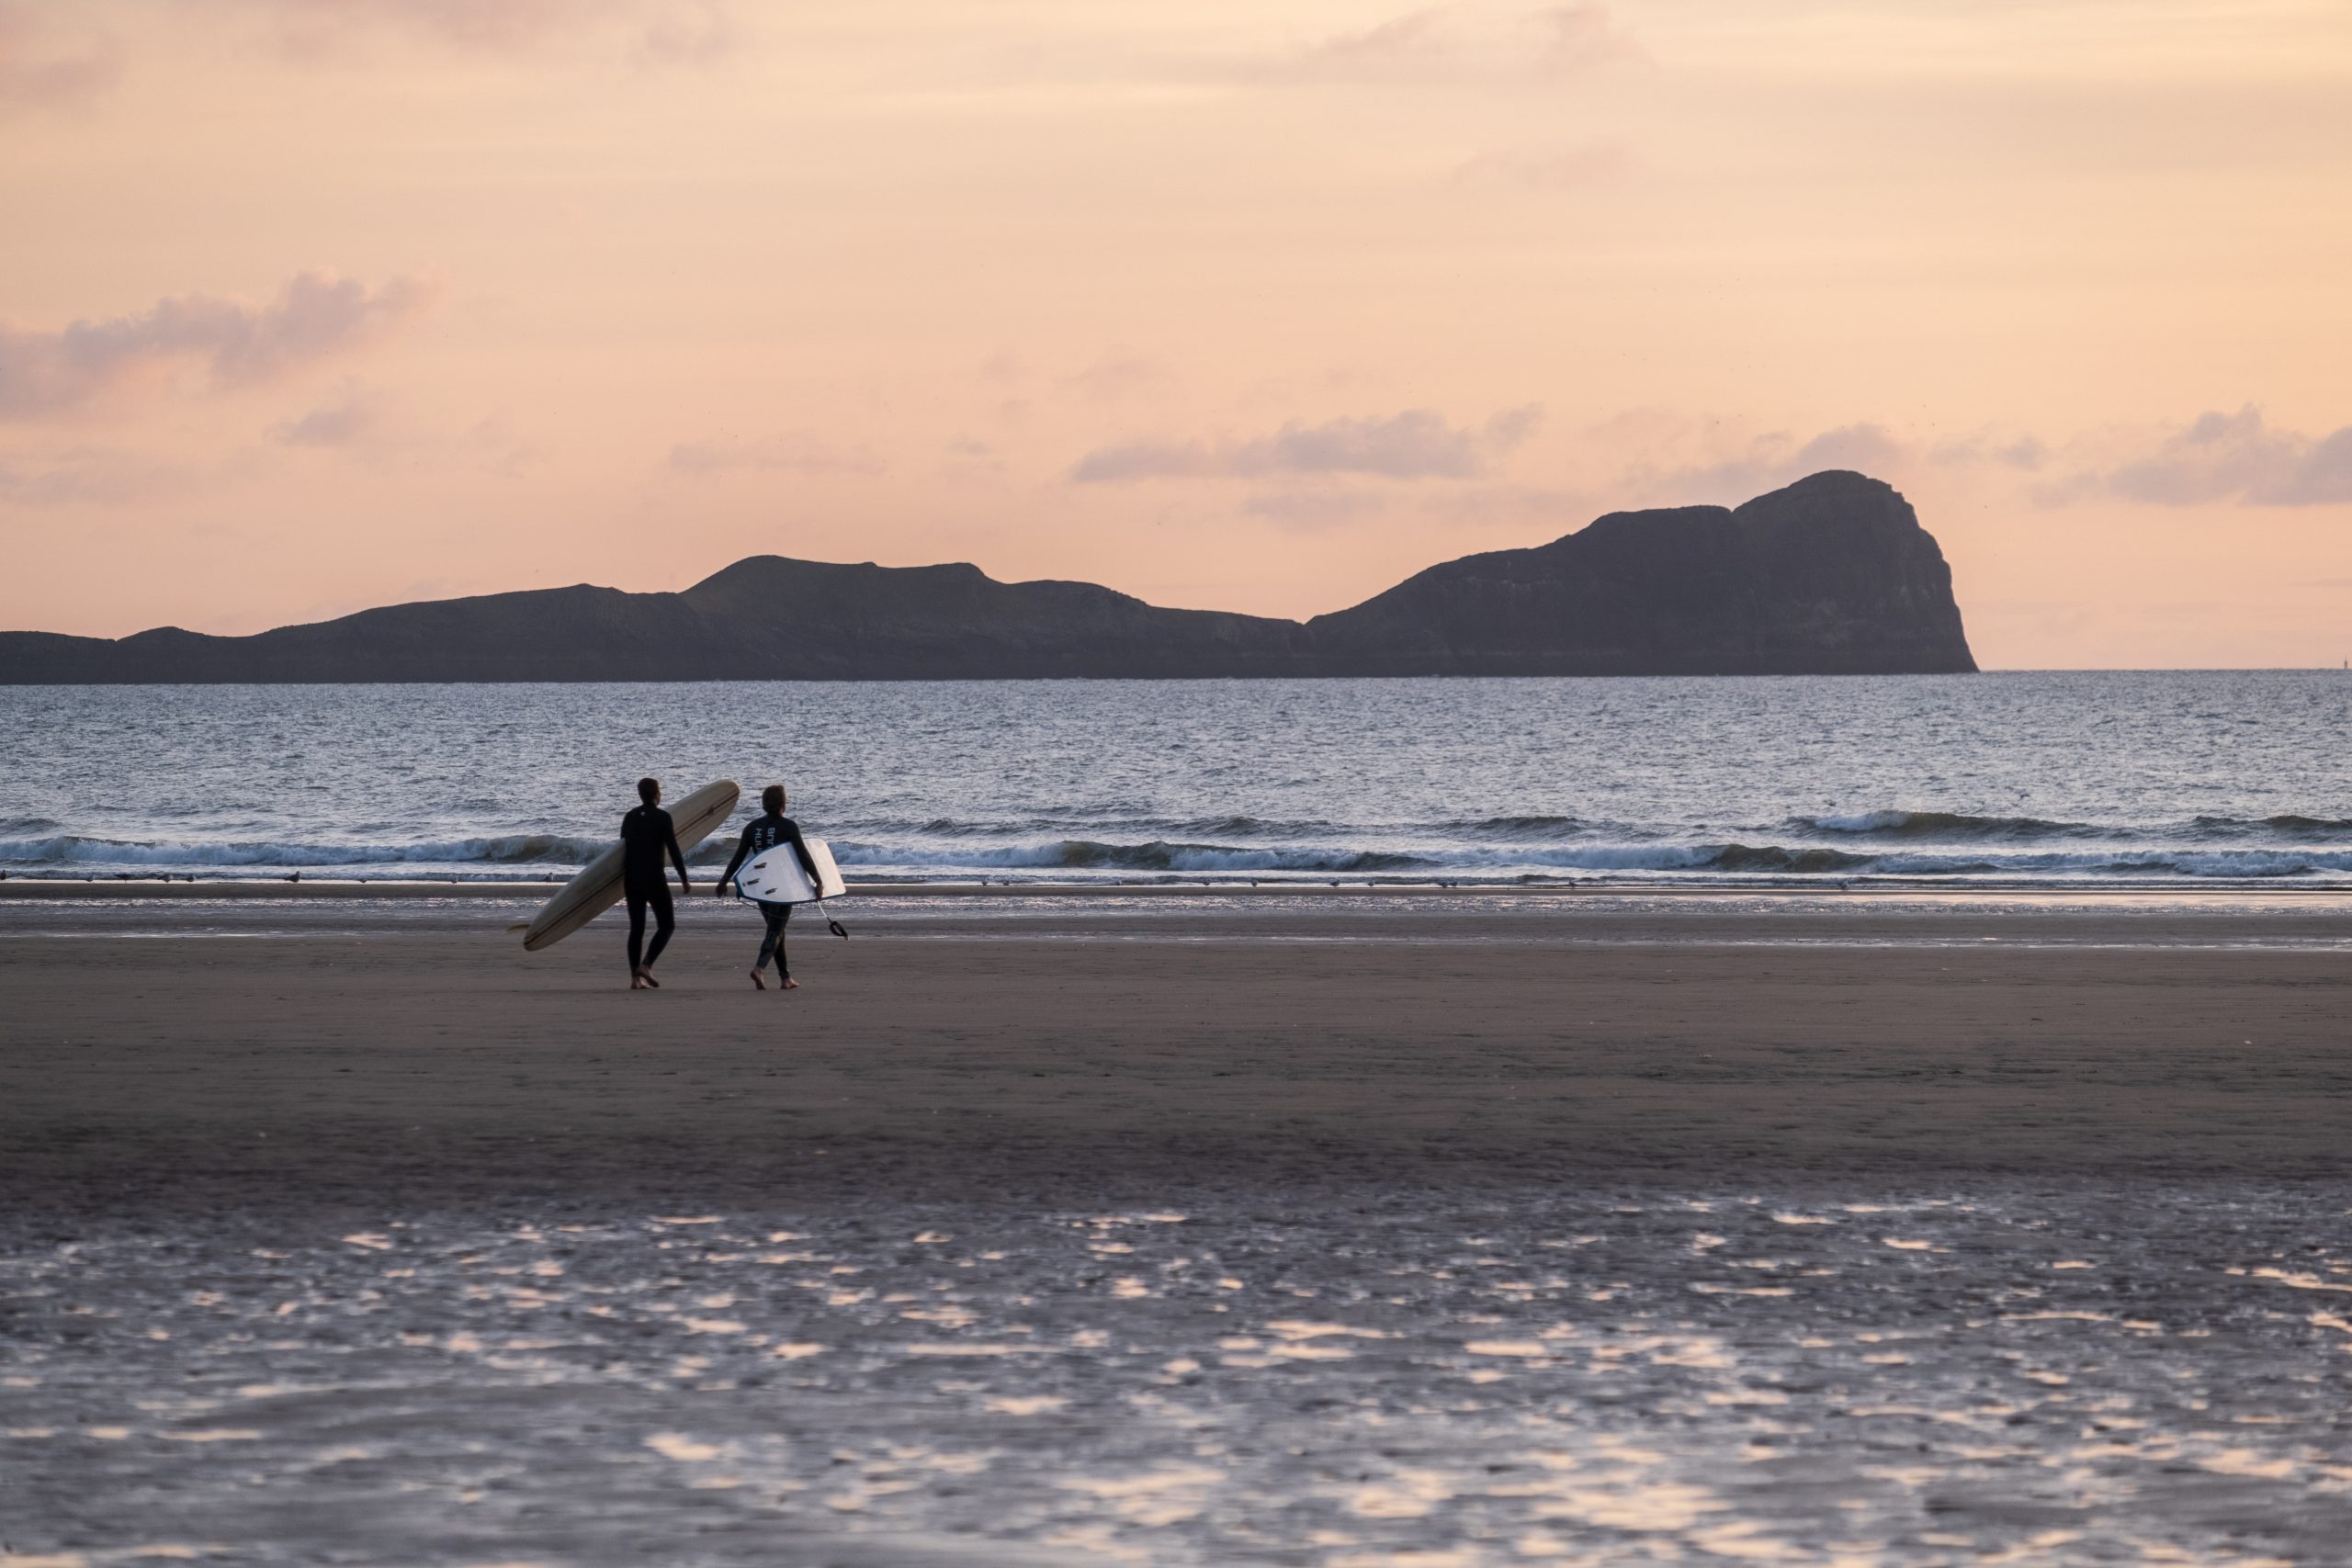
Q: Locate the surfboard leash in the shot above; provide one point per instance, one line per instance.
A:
(831, 925)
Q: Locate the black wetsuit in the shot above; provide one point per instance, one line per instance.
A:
(761, 834)
(647, 835)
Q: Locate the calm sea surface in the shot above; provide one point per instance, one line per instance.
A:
(2133, 778)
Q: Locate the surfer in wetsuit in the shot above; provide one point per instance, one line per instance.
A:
(646, 833)
(762, 833)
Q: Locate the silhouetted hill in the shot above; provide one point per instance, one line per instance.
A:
(1832, 575)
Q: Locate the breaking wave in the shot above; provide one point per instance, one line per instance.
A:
(1224, 827)
(1498, 852)
(1955, 826)
(1772, 857)
(1944, 825)
(1086, 854)
(2287, 825)
(519, 849)
(1519, 828)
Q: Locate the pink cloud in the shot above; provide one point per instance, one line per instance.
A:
(2239, 458)
(1416, 443)
(44, 66)
(1453, 44)
(656, 31)
(316, 316)
(794, 452)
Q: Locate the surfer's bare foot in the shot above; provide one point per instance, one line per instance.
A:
(637, 982)
(789, 984)
(646, 981)
(757, 981)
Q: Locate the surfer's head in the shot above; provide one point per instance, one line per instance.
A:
(772, 798)
(649, 791)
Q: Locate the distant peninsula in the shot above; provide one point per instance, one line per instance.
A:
(1831, 576)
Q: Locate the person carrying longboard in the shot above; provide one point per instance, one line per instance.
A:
(762, 833)
(646, 833)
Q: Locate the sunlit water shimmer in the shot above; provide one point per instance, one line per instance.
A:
(2018, 1374)
(2136, 778)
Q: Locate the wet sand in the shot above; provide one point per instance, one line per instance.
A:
(366, 1051)
(1295, 1231)
(2142, 1372)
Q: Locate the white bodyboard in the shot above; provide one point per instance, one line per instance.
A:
(775, 876)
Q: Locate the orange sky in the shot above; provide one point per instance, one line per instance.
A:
(309, 305)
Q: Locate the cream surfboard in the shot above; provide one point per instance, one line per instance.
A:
(777, 875)
(598, 887)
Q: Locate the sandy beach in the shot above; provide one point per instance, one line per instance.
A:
(1190, 1230)
(365, 1050)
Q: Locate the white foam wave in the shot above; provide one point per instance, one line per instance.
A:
(1079, 854)
(1368, 856)
(517, 849)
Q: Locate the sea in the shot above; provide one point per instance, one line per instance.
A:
(2136, 778)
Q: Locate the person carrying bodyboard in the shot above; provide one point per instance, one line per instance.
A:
(762, 833)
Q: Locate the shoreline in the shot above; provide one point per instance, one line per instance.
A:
(36, 888)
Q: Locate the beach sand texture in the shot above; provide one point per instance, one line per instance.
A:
(1277, 1045)
(1304, 1232)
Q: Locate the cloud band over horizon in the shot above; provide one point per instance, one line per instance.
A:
(1414, 445)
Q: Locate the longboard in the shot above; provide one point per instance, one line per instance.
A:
(598, 887)
(776, 876)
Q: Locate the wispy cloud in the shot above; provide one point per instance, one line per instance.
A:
(654, 31)
(1463, 43)
(2238, 457)
(2215, 459)
(1558, 168)
(230, 342)
(2025, 454)
(354, 416)
(968, 458)
(794, 452)
(690, 34)
(1764, 462)
(1118, 373)
(1414, 445)
(90, 475)
(1408, 45)
(1308, 511)
(45, 65)
(361, 424)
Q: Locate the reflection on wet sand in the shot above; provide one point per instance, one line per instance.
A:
(2151, 1373)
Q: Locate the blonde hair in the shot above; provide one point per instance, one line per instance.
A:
(772, 798)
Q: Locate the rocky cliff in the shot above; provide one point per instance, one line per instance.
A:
(1832, 575)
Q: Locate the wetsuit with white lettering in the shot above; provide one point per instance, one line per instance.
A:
(761, 834)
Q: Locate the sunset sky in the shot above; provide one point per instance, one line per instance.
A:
(309, 305)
